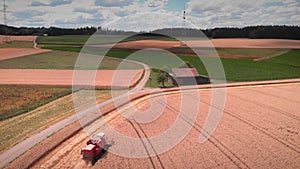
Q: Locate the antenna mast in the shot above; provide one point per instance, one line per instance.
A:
(183, 26)
(4, 11)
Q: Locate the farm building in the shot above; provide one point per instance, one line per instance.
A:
(186, 76)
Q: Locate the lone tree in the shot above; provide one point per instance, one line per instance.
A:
(162, 77)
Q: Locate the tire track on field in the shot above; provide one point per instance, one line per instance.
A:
(217, 143)
(144, 145)
(273, 95)
(56, 161)
(261, 129)
(277, 110)
(294, 117)
(114, 116)
(283, 88)
(146, 137)
(214, 141)
(58, 156)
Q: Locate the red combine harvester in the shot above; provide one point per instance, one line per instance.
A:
(94, 146)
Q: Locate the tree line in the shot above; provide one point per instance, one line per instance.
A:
(55, 31)
(254, 32)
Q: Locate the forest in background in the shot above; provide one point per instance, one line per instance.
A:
(254, 32)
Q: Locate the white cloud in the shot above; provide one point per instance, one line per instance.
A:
(240, 13)
(205, 14)
(85, 10)
(156, 3)
(149, 21)
(28, 14)
(51, 3)
(112, 3)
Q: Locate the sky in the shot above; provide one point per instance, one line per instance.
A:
(137, 14)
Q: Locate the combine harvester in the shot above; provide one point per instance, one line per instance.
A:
(94, 147)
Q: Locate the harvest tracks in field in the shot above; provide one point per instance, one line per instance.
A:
(244, 139)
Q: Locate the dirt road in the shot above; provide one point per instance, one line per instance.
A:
(260, 128)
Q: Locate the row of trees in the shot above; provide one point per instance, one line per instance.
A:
(255, 32)
(54, 31)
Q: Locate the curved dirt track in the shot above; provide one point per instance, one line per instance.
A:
(104, 78)
(260, 128)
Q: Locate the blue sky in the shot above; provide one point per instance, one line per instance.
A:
(203, 13)
(174, 5)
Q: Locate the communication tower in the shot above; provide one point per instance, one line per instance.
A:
(4, 10)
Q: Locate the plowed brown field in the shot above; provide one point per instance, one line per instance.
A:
(260, 128)
(217, 43)
(103, 78)
(19, 38)
(9, 53)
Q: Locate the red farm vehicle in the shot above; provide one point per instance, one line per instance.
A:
(94, 147)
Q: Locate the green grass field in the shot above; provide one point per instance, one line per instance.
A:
(284, 66)
(253, 52)
(291, 59)
(62, 60)
(84, 39)
(95, 39)
(281, 67)
(79, 39)
(63, 40)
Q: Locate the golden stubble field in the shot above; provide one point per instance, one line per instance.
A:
(253, 133)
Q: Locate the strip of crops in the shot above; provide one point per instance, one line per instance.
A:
(16, 100)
